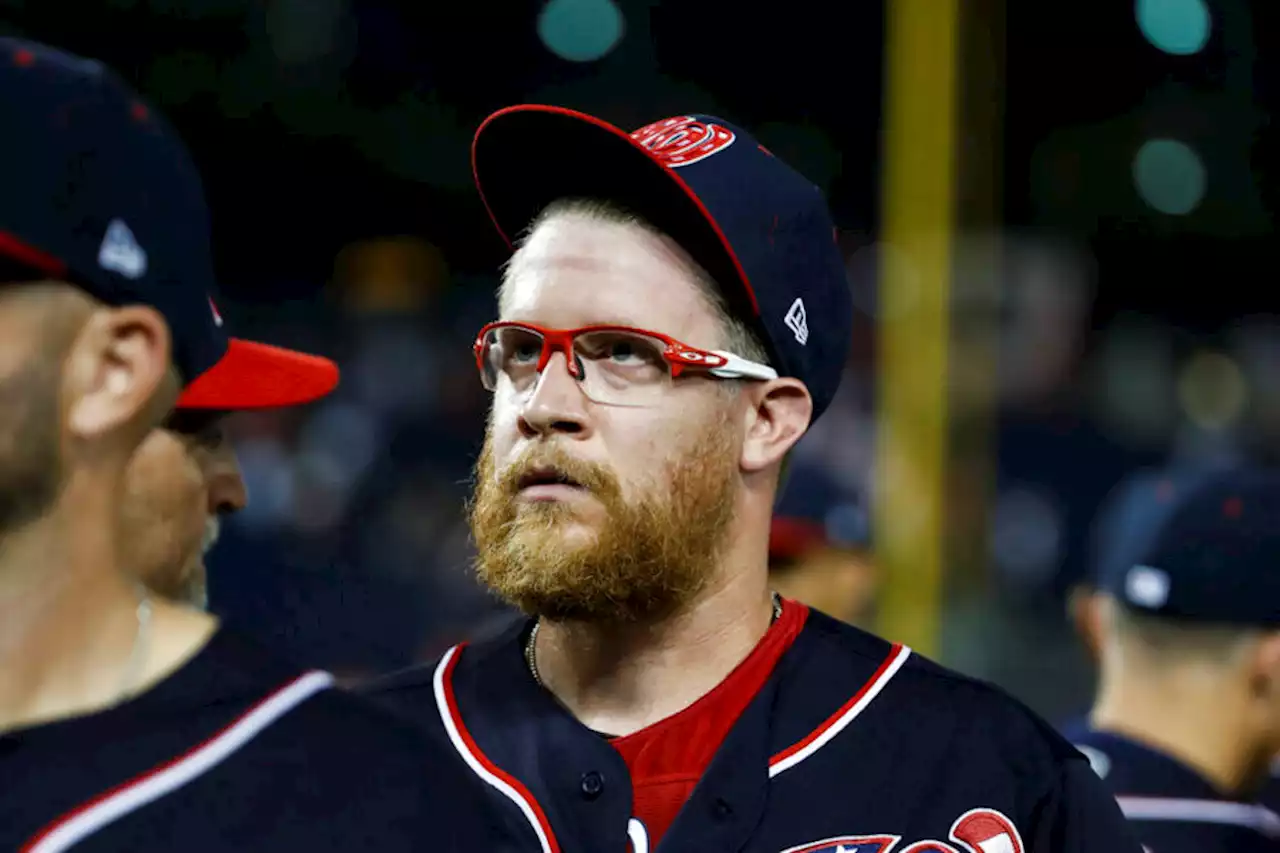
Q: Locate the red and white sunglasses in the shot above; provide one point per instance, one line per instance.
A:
(614, 365)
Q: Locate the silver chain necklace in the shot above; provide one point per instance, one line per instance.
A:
(530, 646)
(141, 647)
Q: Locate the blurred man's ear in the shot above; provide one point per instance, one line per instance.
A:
(1084, 610)
(1264, 665)
(119, 370)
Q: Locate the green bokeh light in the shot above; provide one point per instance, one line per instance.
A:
(581, 30)
(1169, 176)
(1180, 27)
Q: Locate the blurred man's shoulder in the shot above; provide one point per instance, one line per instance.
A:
(323, 724)
(416, 688)
(1270, 794)
(244, 742)
(382, 767)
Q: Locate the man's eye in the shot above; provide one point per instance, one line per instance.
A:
(204, 427)
(211, 436)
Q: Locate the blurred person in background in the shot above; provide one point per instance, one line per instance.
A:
(130, 722)
(354, 552)
(674, 317)
(1187, 717)
(1116, 538)
(185, 478)
(820, 547)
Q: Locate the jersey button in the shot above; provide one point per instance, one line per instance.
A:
(721, 809)
(592, 785)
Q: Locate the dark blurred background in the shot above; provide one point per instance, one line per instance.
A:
(1116, 253)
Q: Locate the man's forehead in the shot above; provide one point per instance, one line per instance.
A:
(574, 241)
(604, 273)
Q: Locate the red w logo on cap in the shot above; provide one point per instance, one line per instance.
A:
(682, 140)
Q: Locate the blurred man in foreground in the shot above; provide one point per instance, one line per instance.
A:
(820, 548)
(1187, 717)
(129, 722)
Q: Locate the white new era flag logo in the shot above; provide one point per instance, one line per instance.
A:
(797, 321)
(120, 252)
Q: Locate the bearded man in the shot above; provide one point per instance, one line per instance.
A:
(674, 317)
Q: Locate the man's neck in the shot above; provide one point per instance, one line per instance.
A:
(1192, 723)
(620, 679)
(71, 641)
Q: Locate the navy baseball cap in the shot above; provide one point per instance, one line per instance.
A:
(1127, 516)
(100, 192)
(814, 511)
(1211, 553)
(759, 228)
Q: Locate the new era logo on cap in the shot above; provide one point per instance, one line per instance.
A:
(1147, 587)
(755, 226)
(120, 251)
(1204, 549)
(135, 186)
(797, 322)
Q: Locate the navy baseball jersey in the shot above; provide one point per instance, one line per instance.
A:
(844, 742)
(1172, 808)
(233, 752)
(1270, 794)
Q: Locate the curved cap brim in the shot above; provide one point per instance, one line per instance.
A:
(260, 376)
(526, 157)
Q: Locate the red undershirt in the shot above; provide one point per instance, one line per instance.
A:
(668, 758)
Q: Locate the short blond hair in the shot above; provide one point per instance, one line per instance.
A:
(1159, 639)
(737, 336)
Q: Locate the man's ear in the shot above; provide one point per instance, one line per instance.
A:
(779, 414)
(1084, 606)
(117, 367)
(1264, 665)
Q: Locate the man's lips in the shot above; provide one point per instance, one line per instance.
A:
(545, 477)
(546, 484)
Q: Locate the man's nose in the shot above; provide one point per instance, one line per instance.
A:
(556, 403)
(224, 482)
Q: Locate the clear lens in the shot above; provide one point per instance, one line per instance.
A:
(622, 368)
(513, 353)
(613, 367)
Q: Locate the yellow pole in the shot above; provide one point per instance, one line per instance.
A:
(975, 312)
(917, 226)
